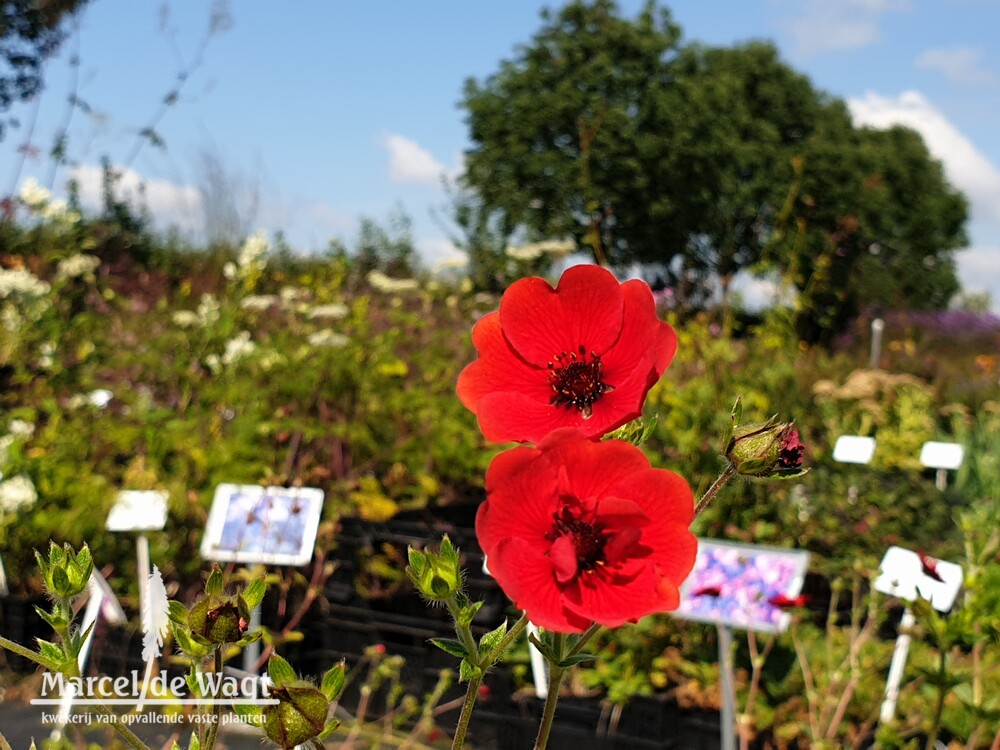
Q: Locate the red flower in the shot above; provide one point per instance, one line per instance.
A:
(581, 355)
(577, 531)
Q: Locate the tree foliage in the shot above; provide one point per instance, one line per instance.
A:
(700, 162)
(30, 32)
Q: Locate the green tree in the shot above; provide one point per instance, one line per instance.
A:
(700, 162)
(30, 32)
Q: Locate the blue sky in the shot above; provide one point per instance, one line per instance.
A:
(336, 110)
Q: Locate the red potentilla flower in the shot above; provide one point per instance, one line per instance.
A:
(577, 531)
(581, 355)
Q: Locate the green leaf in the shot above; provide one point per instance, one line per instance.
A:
(50, 653)
(333, 681)
(468, 671)
(451, 646)
(569, 661)
(194, 743)
(280, 671)
(492, 639)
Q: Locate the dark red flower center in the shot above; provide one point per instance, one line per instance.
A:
(576, 381)
(588, 538)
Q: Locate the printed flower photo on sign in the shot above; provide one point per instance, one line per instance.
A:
(582, 355)
(577, 531)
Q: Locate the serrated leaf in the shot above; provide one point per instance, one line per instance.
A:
(492, 639)
(51, 653)
(468, 671)
(280, 671)
(333, 681)
(451, 646)
(253, 594)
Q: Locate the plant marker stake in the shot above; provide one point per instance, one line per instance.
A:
(896, 667)
(728, 718)
(878, 326)
(251, 652)
(539, 672)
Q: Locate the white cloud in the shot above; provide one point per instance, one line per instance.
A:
(168, 203)
(411, 162)
(825, 26)
(979, 271)
(440, 253)
(960, 65)
(966, 167)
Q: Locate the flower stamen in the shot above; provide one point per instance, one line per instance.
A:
(575, 381)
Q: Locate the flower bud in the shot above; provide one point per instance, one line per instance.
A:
(299, 715)
(766, 450)
(66, 572)
(438, 576)
(218, 619)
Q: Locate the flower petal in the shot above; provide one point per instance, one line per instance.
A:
(643, 336)
(613, 606)
(585, 309)
(525, 574)
(520, 501)
(498, 368)
(595, 469)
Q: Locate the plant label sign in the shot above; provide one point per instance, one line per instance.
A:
(854, 449)
(746, 586)
(136, 510)
(936, 455)
(907, 575)
(266, 525)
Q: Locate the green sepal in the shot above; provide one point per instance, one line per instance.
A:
(251, 637)
(280, 671)
(195, 743)
(213, 586)
(333, 681)
(249, 712)
(196, 648)
(178, 613)
(451, 646)
(253, 594)
(329, 729)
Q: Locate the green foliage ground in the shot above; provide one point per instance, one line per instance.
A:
(224, 365)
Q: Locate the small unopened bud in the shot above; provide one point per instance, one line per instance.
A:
(66, 572)
(218, 620)
(438, 576)
(766, 450)
(299, 715)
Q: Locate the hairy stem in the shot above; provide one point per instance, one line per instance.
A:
(712, 491)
